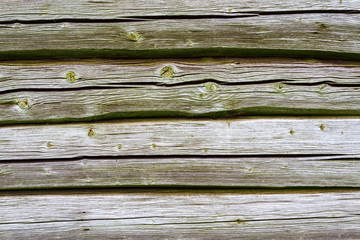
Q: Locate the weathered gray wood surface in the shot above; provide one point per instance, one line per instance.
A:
(15, 10)
(61, 91)
(168, 154)
(322, 171)
(297, 34)
(183, 137)
(184, 215)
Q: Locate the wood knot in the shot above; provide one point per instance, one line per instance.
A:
(70, 77)
(210, 86)
(23, 104)
(292, 132)
(167, 72)
(120, 146)
(133, 36)
(91, 133)
(239, 221)
(322, 127)
(322, 26)
(280, 88)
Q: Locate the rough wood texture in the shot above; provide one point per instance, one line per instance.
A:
(17, 10)
(183, 137)
(324, 171)
(41, 146)
(333, 215)
(264, 35)
(64, 91)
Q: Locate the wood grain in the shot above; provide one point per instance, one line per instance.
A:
(182, 137)
(181, 215)
(190, 171)
(88, 9)
(44, 91)
(166, 178)
(322, 35)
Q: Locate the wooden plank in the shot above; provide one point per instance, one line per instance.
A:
(322, 35)
(88, 9)
(181, 215)
(322, 171)
(182, 137)
(65, 91)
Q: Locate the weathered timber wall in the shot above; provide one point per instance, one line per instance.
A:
(181, 119)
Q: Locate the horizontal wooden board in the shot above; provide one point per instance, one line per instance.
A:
(182, 137)
(322, 171)
(102, 9)
(67, 91)
(315, 34)
(333, 215)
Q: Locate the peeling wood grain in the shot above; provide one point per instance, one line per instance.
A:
(258, 35)
(183, 137)
(324, 171)
(86, 90)
(102, 9)
(185, 216)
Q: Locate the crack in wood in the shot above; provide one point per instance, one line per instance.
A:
(133, 85)
(178, 223)
(169, 156)
(233, 14)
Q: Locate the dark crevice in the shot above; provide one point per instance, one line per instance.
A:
(233, 14)
(243, 114)
(78, 220)
(239, 221)
(127, 85)
(330, 83)
(109, 157)
(64, 89)
(105, 53)
(314, 11)
(124, 19)
(173, 189)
